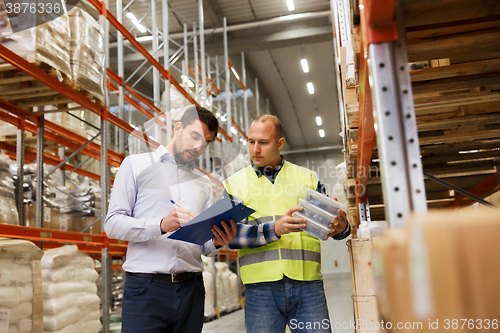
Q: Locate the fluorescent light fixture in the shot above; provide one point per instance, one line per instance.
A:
(322, 133)
(136, 22)
(319, 121)
(152, 138)
(305, 66)
(184, 77)
(207, 102)
(291, 6)
(223, 118)
(217, 114)
(144, 38)
(190, 84)
(235, 74)
(233, 130)
(310, 88)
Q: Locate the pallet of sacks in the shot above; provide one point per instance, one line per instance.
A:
(70, 301)
(440, 273)
(21, 295)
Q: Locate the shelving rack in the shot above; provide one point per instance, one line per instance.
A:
(208, 74)
(427, 90)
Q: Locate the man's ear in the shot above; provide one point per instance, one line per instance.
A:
(177, 128)
(281, 143)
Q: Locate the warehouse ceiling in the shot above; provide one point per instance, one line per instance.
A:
(274, 40)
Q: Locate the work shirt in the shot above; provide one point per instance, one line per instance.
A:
(251, 236)
(143, 189)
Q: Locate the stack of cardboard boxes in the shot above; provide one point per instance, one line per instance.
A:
(442, 271)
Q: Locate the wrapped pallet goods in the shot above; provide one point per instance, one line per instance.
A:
(227, 294)
(21, 295)
(208, 280)
(8, 209)
(87, 53)
(70, 302)
(69, 120)
(46, 44)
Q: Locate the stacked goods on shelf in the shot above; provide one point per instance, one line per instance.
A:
(227, 288)
(208, 280)
(70, 302)
(74, 215)
(51, 209)
(440, 270)
(8, 208)
(117, 286)
(45, 44)
(67, 120)
(21, 295)
(370, 229)
(87, 54)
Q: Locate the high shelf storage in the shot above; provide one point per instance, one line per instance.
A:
(419, 90)
(208, 73)
(427, 78)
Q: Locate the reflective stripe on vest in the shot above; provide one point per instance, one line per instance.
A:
(254, 258)
(264, 219)
(300, 255)
(286, 254)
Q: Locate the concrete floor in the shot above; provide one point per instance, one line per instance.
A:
(338, 290)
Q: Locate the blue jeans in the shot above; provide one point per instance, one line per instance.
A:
(162, 306)
(269, 306)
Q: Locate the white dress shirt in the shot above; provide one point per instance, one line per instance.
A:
(142, 190)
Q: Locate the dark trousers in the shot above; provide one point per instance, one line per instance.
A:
(162, 306)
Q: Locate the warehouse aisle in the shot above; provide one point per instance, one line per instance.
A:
(338, 290)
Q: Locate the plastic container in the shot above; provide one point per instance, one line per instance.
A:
(323, 202)
(314, 228)
(315, 213)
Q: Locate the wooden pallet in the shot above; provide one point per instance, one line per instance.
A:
(23, 90)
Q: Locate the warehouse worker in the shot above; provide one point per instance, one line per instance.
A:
(280, 266)
(164, 289)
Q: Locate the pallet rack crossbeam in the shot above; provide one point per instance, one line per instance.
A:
(67, 158)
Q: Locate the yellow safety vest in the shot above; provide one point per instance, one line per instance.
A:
(296, 255)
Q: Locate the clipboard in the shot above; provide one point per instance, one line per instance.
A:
(199, 230)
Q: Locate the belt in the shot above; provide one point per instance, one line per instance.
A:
(175, 278)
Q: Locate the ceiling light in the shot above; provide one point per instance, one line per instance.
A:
(235, 74)
(223, 118)
(190, 84)
(291, 6)
(319, 121)
(305, 66)
(322, 133)
(233, 130)
(144, 38)
(217, 114)
(310, 88)
(136, 22)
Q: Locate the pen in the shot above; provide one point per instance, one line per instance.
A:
(172, 201)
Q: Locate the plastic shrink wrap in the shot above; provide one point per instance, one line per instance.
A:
(208, 280)
(70, 292)
(87, 53)
(47, 43)
(8, 209)
(21, 295)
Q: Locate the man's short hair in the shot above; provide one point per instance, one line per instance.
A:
(278, 127)
(203, 115)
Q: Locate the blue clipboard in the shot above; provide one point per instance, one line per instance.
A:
(199, 229)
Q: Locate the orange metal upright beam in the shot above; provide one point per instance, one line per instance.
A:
(378, 24)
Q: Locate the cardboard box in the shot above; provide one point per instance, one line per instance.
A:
(77, 224)
(50, 217)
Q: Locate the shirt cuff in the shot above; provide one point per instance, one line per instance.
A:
(152, 228)
(270, 232)
(209, 248)
(344, 233)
